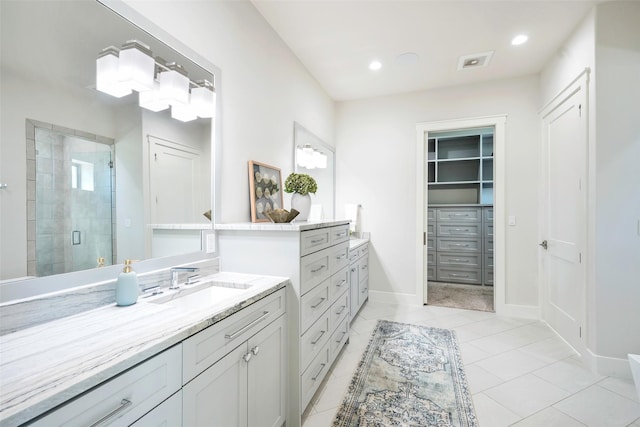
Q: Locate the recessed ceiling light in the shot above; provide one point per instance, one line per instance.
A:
(408, 58)
(375, 65)
(519, 39)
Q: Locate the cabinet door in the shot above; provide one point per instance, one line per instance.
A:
(218, 396)
(267, 376)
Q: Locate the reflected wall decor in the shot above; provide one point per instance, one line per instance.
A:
(265, 190)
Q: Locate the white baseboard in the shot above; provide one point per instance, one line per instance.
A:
(610, 366)
(394, 298)
(522, 311)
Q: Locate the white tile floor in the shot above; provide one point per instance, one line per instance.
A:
(520, 373)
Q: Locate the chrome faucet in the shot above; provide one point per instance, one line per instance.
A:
(175, 271)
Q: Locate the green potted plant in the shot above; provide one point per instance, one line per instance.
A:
(300, 185)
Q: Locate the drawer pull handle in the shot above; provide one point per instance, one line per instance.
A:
(464, 245)
(124, 403)
(364, 267)
(255, 350)
(341, 256)
(458, 275)
(344, 282)
(341, 310)
(247, 326)
(365, 290)
(318, 303)
(319, 268)
(353, 270)
(314, 342)
(318, 374)
(313, 242)
(459, 214)
(341, 336)
(460, 229)
(246, 357)
(459, 260)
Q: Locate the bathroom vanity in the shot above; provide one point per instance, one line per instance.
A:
(315, 256)
(212, 353)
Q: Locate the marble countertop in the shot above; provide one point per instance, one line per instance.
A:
(46, 365)
(197, 226)
(271, 226)
(356, 243)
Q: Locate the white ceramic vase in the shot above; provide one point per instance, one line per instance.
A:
(302, 204)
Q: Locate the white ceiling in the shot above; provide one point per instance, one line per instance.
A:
(336, 39)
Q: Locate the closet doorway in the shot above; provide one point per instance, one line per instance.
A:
(460, 194)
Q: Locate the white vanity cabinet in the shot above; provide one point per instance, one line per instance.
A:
(126, 398)
(315, 257)
(359, 277)
(236, 369)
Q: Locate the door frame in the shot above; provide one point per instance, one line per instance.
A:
(579, 84)
(498, 122)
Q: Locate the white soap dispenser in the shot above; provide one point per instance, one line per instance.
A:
(127, 287)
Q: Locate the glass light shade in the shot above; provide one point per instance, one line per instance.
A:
(320, 160)
(107, 81)
(203, 101)
(301, 158)
(183, 112)
(308, 157)
(174, 87)
(137, 66)
(150, 99)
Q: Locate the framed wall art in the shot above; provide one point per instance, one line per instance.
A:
(265, 190)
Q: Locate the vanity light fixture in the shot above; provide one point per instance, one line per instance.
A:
(519, 39)
(203, 99)
(151, 100)
(107, 73)
(174, 84)
(136, 66)
(310, 158)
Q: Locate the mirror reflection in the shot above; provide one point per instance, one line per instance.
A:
(105, 179)
(316, 158)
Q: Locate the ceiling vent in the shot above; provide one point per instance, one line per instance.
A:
(475, 60)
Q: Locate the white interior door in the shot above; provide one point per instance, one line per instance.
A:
(174, 181)
(563, 228)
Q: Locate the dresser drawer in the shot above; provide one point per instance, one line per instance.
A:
(459, 275)
(208, 346)
(339, 234)
(459, 229)
(364, 249)
(314, 303)
(315, 268)
(459, 214)
(314, 240)
(487, 214)
(339, 257)
(339, 338)
(339, 311)
(313, 340)
(459, 259)
(312, 377)
(127, 397)
(454, 244)
(339, 284)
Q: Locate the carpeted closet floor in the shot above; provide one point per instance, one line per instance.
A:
(470, 297)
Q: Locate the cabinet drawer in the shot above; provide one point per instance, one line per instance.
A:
(313, 375)
(364, 249)
(431, 228)
(339, 338)
(339, 283)
(339, 257)
(127, 397)
(431, 273)
(459, 229)
(339, 234)
(313, 304)
(314, 269)
(459, 275)
(169, 413)
(488, 276)
(431, 243)
(488, 229)
(354, 254)
(487, 214)
(208, 346)
(364, 268)
(488, 260)
(339, 311)
(363, 291)
(459, 214)
(431, 258)
(314, 240)
(431, 214)
(454, 244)
(312, 341)
(488, 245)
(459, 259)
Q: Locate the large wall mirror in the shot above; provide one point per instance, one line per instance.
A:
(102, 178)
(314, 157)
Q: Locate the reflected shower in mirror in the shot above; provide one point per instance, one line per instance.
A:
(314, 157)
(49, 61)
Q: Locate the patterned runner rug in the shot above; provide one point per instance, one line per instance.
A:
(408, 376)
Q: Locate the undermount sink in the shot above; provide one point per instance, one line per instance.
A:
(200, 295)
